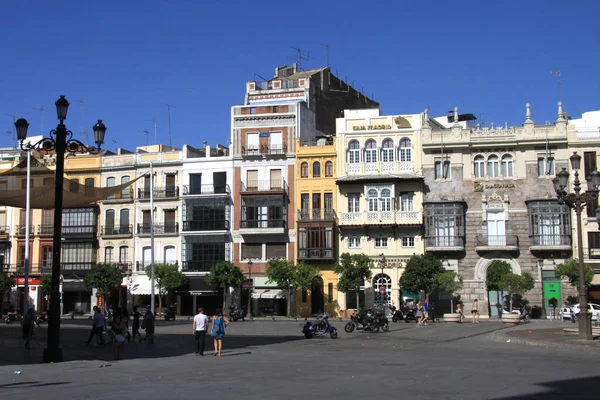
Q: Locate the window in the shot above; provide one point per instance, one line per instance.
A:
(381, 243)
(328, 169)
(46, 257)
(444, 224)
(316, 169)
(386, 200)
(549, 223)
(252, 110)
(507, 165)
(276, 250)
(109, 222)
(79, 220)
(492, 166)
(479, 166)
(329, 201)
(110, 181)
(546, 166)
(275, 109)
(252, 144)
(170, 255)
(78, 256)
(353, 203)
(593, 245)
(387, 150)
(408, 241)
(126, 193)
(371, 151)
(330, 292)
(200, 253)
(354, 242)
(251, 251)
(372, 200)
(589, 163)
(124, 221)
(354, 152)
(442, 170)
(305, 201)
(404, 151)
(406, 202)
(47, 222)
(123, 255)
(89, 182)
(304, 170)
(379, 281)
(276, 143)
(316, 201)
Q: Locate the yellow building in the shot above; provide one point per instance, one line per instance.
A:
(316, 234)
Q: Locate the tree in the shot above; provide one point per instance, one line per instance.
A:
(305, 275)
(46, 286)
(225, 275)
(517, 284)
(282, 273)
(103, 277)
(167, 277)
(495, 272)
(449, 282)
(570, 270)
(420, 274)
(353, 270)
(6, 284)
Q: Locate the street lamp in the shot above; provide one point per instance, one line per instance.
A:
(578, 201)
(250, 290)
(60, 141)
(381, 288)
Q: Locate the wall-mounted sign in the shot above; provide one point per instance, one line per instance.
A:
(370, 127)
(264, 134)
(31, 281)
(499, 185)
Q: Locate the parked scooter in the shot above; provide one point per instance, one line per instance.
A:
(523, 314)
(396, 314)
(320, 327)
(169, 314)
(236, 313)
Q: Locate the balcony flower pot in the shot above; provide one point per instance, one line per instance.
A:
(452, 317)
(511, 318)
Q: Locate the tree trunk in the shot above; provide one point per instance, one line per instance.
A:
(358, 299)
(159, 304)
(452, 304)
(289, 303)
(224, 299)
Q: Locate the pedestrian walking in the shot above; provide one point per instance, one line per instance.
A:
(125, 316)
(117, 328)
(475, 311)
(459, 310)
(419, 315)
(425, 308)
(27, 327)
(219, 322)
(97, 326)
(200, 326)
(136, 323)
(148, 326)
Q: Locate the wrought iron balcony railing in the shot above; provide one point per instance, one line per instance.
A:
(206, 225)
(4, 230)
(264, 185)
(159, 193)
(124, 195)
(159, 229)
(22, 229)
(551, 240)
(46, 229)
(444, 242)
(316, 214)
(266, 223)
(315, 254)
(497, 241)
(206, 189)
(141, 266)
(116, 230)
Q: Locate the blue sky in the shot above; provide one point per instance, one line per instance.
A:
(127, 59)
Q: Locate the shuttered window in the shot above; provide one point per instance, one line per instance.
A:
(251, 251)
(276, 250)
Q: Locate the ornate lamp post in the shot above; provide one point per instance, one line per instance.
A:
(578, 201)
(250, 290)
(60, 141)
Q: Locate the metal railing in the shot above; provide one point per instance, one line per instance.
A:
(21, 230)
(265, 223)
(19, 268)
(551, 240)
(116, 230)
(140, 266)
(206, 189)
(445, 241)
(46, 229)
(315, 254)
(159, 229)
(198, 266)
(79, 230)
(497, 240)
(159, 193)
(207, 225)
(264, 185)
(316, 214)
(124, 195)
(4, 230)
(264, 150)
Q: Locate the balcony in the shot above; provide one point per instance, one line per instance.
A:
(124, 196)
(116, 231)
(551, 243)
(46, 229)
(209, 225)
(316, 214)
(381, 218)
(79, 231)
(34, 269)
(141, 266)
(159, 229)
(496, 242)
(444, 243)
(76, 270)
(197, 266)
(380, 168)
(159, 193)
(315, 254)
(267, 151)
(4, 232)
(22, 229)
(265, 226)
(264, 185)
(205, 189)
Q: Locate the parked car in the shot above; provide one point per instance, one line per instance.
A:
(593, 308)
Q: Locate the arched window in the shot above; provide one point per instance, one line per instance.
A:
(479, 166)
(371, 151)
(304, 170)
(354, 152)
(109, 255)
(507, 165)
(126, 193)
(382, 281)
(404, 152)
(316, 169)
(328, 169)
(124, 221)
(109, 222)
(169, 255)
(111, 181)
(493, 170)
(386, 200)
(387, 150)
(124, 255)
(372, 200)
(146, 251)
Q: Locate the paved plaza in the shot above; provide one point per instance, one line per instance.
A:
(272, 360)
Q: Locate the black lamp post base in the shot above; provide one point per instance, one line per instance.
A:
(585, 326)
(53, 355)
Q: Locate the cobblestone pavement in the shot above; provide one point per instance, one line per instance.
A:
(269, 360)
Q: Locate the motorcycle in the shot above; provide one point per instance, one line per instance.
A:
(409, 314)
(321, 327)
(11, 317)
(368, 320)
(524, 314)
(358, 321)
(236, 313)
(396, 314)
(169, 314)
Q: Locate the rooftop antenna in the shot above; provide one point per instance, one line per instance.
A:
(153, 120)
(557, 75)
(116, 147)
(41, 110)
(145, 132)
(326, 53)
(301, 56)
(81, 101)
(11, 135)
(169, 106)
(14, 134)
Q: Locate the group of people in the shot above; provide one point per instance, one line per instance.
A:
(216, 326)
(474, 311)
(118, 328)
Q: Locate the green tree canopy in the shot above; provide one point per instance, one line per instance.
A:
(46, 284)
(517, 284)
(420, 274)
(495, 272)
(570, 270)
(353, 270)
(6, 283)
(450, 282)
(289, 276)
(167, 277)
(305, 275)
(104, 277)
(225, 274)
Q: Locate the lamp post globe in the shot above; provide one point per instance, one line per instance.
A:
(563, 178)
(21, 126)
(62, 106)
(99, 132)
(575, 161)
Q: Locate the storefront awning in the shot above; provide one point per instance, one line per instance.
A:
(267, 294)
(141, 286)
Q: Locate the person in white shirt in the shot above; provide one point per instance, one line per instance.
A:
(200, 327)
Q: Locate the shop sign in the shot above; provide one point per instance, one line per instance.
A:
(371, 127)
(30, 281)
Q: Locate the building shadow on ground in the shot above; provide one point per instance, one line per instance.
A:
(579, 388)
